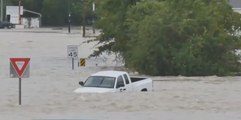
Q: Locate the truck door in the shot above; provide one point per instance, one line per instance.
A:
(128, 83)
(120, 85)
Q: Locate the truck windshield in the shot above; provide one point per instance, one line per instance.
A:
(100, 81)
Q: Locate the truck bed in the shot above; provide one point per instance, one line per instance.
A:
(135, 79)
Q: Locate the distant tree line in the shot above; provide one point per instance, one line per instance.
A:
(56, 12)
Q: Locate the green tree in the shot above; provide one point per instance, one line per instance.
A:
(111, 19)
(55, 12)
(79, 8)
(172, 37)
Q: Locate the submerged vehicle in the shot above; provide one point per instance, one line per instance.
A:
(114, 81)
(5, 24)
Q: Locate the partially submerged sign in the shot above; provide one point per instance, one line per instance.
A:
(72, 51)
(19, 67)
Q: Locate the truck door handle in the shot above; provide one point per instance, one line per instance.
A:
(122, 89)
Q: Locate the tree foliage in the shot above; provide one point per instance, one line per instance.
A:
(172, 37)
(111, 19)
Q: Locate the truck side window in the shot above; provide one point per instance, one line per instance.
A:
(120, 82)
(126, 78)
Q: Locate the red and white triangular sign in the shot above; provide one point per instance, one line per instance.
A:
(19, 65)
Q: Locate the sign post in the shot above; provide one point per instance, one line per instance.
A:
(93, 26)
(20, 92)
(72, 63)
(19, 68)
(1, 10)
(72, 52)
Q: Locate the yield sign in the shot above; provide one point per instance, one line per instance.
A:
(19, 65)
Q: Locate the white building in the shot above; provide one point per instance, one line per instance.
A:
(16, 15)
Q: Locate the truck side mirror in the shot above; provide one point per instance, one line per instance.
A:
(81, 83)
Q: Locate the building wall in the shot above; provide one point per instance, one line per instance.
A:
(13, 13)
(31, 22)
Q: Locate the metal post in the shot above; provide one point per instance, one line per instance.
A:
(93, 26)
(84, 10)
(19, 5)
(69, 23)
(40, 21)
(78, 64)
(20, 92)
(72, 63)
(1, 10)
(69, 16)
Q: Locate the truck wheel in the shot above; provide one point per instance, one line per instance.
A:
(144, 90)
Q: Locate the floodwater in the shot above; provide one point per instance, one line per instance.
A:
(48, 93)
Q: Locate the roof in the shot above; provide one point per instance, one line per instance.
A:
(109, 73)
(235, 3)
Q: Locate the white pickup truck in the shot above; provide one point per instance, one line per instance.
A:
(114, 81)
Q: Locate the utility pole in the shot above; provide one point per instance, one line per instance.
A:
(93, 26)
(84, 17)
(69, 17)
(69, 22)
(1, 10)
(19, 11)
